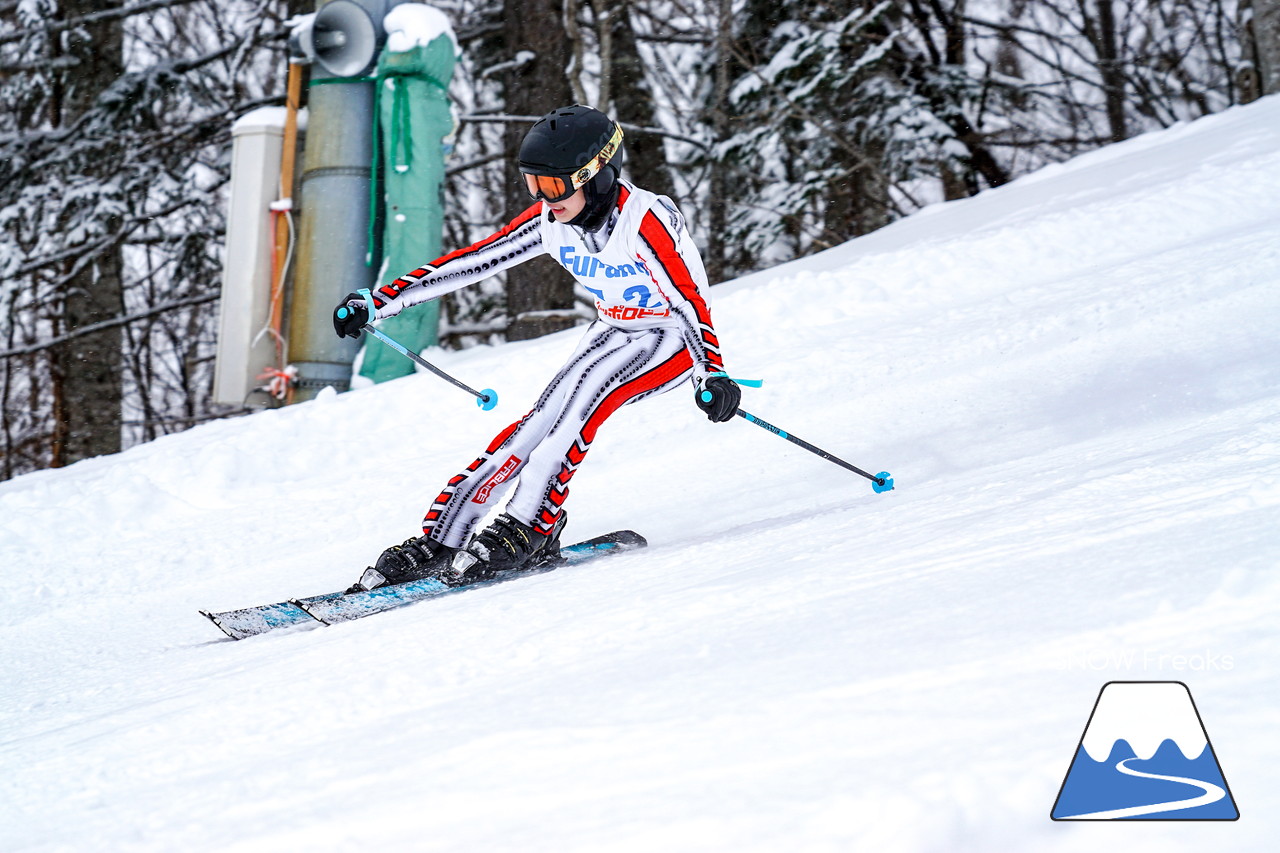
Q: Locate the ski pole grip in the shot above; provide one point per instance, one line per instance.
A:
(707, 396)
(345, 311)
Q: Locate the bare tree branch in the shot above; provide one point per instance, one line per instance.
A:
(51, 27)
(113, 323)
(656, 131)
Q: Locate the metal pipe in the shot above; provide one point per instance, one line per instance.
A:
(333, 235)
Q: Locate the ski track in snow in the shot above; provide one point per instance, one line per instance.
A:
(1074, 382)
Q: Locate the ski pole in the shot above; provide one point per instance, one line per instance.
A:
(486, 399)
(881, 482)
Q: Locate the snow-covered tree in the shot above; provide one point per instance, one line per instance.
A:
(781, 127)
(114, 140)
(843, 115)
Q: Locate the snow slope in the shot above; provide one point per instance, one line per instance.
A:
(1075, 381)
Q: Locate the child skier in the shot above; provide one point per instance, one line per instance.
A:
(628, 247)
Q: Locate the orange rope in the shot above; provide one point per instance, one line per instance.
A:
(282, 377)
(280, 381)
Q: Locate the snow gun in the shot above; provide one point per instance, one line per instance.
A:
(486, 399)
(881, 482)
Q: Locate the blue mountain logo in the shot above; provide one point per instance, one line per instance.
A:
(1145, 755)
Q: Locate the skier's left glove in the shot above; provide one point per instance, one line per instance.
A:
(718, 396)
(350, 316)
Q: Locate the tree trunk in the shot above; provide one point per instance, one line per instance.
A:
(540, 291)
(87, 370)
(716, 259)
(1105, 41)
(1262, 46)
(633, 104)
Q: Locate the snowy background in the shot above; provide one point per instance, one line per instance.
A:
(1075, 381)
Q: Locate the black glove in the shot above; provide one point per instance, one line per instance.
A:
(350, 315)
(718, 396)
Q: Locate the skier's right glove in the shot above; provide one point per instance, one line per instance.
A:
(350, 316)
(718, 396)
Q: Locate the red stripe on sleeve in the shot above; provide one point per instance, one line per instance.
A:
(664, 249)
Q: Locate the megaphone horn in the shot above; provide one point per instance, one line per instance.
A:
(343, 38)
(328, 40)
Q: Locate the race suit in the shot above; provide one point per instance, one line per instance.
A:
(652, 334)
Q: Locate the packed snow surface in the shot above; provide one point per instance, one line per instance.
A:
(1075, 382)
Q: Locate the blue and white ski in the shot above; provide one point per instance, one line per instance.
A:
(335, 607)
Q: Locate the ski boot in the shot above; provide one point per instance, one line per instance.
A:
(505, 545)
(412, 560)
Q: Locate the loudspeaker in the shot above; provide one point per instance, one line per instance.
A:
(342, 38)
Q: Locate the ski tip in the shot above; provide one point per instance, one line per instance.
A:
(213, 617)
(624, 539)
(882, 483)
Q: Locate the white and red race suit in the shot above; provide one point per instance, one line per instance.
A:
(653, 333)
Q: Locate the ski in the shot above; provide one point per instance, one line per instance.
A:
(334, 607)
(251, 621)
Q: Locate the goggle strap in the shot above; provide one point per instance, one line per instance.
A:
(598, 162)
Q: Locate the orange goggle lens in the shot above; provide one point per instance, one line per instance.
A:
(548, 187)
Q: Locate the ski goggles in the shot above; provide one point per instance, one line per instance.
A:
(549, 188)
(554, 188)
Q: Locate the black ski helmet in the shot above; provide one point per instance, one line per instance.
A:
(572, 147)
(574, 142)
